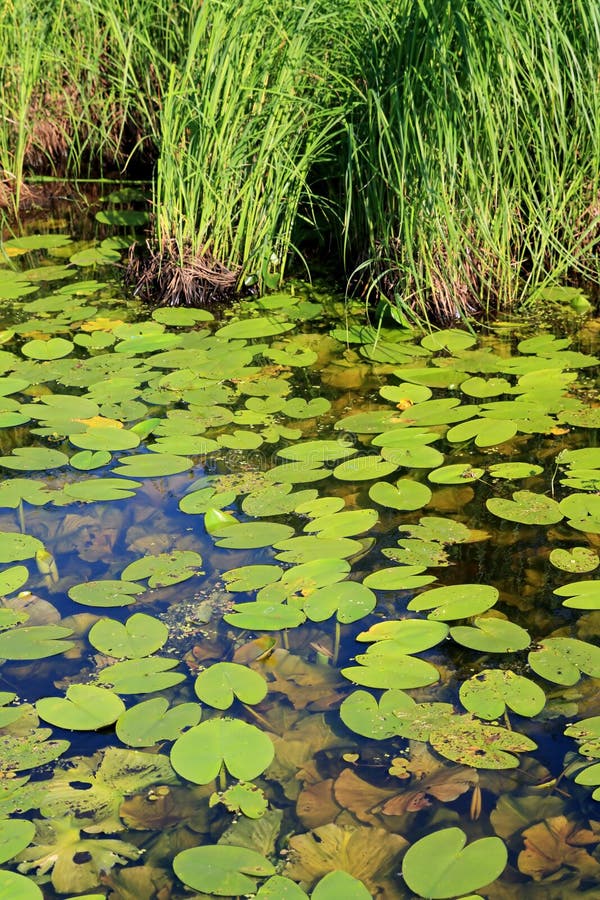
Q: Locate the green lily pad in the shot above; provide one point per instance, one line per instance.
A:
(139, 636)
(318, 451)
(527, 508)
(264, 616)
(457, 473)
(344, 524)
(301, 581)
(298, 408)
(404, 495)
(181, 316)
(34, 642)
(369, 422)
(12, 579)
(199, 502)
(85, 708)
(105, 439)
(482, 746)
(582, 512)
(19, 752)
(127, 217)
(307, 548)
(434, 378)
(227, 871)
(15, 835)
(577, 559)
(410, 635)
(280, 888)
(101, 489)
(13, 886)
(141, 676)
(514, 471)
(590, 776)
(55, 348)
(398, 578)
(350, 600)
(487, 432)
(396, 670)
(491, 635)
(297, 473)
(413, 456)
(34, 459)
(488, 693)
(199, 754)
(105, 593)
(563, 660)
(580, 594)
(151, 721)
(456, 601)
(164, 569)
(244, 798)
(451, 339)
(364, 468)
(250, 535)
(240, 440)
(378, 721)
(587, 733)
(439, 865)
(152, 465)
(276, 500)
(482, 388)
(221, 683)
(338, 884)
(87, 460)
(251, 578)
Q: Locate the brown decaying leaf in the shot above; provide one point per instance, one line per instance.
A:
(554, 843)
(138, 883)
(316, 804)
(167, 806)
(369, 854)
(361, 798)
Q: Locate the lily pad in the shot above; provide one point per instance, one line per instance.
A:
(563, 660)
(457, 473)
(244, 749)
(344, 524)
(12, 579)
(580, 594)
(151, 721)
(488, 693)
(491, 635)
(527, 508)
(440, 866)
(410, 635)
(34, 459)
(152, 465)
(84, 708)
(364, 468)
(251, 578)
(457, 601)
(164, 569)
(34, 642)
(105, 593)
(318, 451)
(576, 560)
(54, 348)
(264, 616)
(226, 871)
(398, 671)
(101, 489)
(398, 578)
(404, 495)
(141, 676)
(378, 721)
(251, 535)
(221, 683)
(350, 600)
(582, 512)
(105, 439)
(139, 636)
(13, 886)
(482, 746)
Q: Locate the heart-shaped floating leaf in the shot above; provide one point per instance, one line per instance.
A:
(361, 712)
(527, 508)
(457, 473)
(398, 578)
(577, 559)
(227, 871)
(101, 489)
(580, 594)
(515, 470)
(253, 328)
(488, 693)
(563, 660)
(344, 524)
(264, 616)
(34, 459)
(318, 451)
(106, 438)
(244, 749)
(251, 535)
(85, 708)
(472, 743)
(13, 885)
(587, 733)
(590, 777)
(439, 865)
(245, 798)
(413, 456)
(152, 465)
(12, 579)
(364, 468)
(405, 495)
(303, 548)
(198, 502)
(151, 721)
(410, 635)
(280, 888)
(222, 682)
(338, 884)
(139, 636)
(582, 511)
(15, 835)
(393, 670)
(491, 635)
(456, 601)
(251, 578)
(487, 432)
(34, 642)
(164, 569)
(275, 500)
(350, 600)
(105, 593)
(301, 581)
(86, 460)
(55, 348)
(141, 676)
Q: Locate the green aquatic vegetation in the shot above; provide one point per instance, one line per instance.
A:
(242, 749)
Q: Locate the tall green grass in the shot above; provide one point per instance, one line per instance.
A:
(474, 152)
(449, 153)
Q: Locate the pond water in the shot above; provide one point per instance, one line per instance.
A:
(288, 596)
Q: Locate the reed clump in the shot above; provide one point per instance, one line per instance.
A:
(447, 155)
